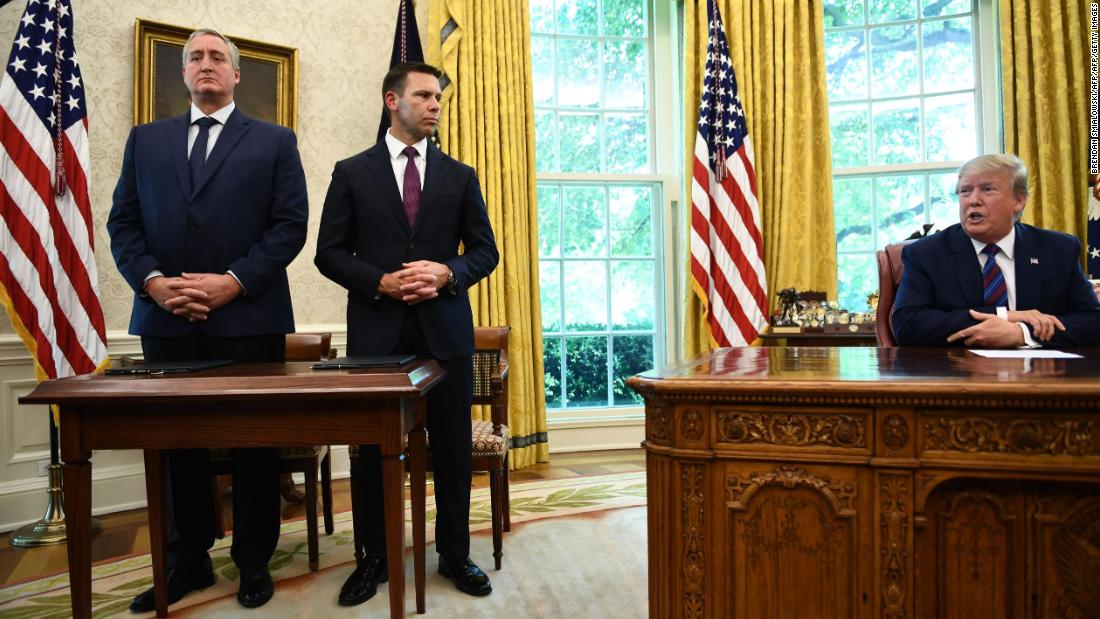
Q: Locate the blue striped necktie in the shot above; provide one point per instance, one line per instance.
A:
(994, 291)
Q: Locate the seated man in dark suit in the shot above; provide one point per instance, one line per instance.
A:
(990, 281)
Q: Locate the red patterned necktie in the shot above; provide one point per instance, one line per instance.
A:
(411, 190)
(994, 291)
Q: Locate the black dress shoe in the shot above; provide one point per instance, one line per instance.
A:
(182, 580)
(256, 587)
(363, 582)
(467, 576)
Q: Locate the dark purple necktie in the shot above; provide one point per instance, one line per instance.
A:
(411, 191)
(198, 149)
(994, 291)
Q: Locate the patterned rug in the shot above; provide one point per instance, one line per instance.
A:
(572, 551)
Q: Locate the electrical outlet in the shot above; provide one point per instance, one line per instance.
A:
(43, 471)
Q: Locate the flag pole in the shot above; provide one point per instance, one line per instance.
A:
(50, 528)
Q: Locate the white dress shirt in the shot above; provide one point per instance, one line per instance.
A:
(221, 116)
(399, 161)
(1006, 261)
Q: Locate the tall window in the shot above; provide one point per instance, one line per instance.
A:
(599, 198)
(912, 94)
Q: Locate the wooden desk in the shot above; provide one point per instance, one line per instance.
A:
(247, 405)
(819, 339)
(873, 482)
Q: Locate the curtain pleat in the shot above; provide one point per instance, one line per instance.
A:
(778, 52)
(483, 46)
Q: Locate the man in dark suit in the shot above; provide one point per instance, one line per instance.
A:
(209, 209)
(990, 281)
(392, 223)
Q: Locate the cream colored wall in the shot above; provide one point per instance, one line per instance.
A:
(343, 52)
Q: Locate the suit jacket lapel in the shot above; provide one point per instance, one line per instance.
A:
(1029, 283)
(435, 171)
(181, 124)
(380, 169)
(964, 262)
(235, 127)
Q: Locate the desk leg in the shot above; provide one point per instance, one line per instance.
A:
(393, 501)
(417, 482)
(158, 538)
(78, 520)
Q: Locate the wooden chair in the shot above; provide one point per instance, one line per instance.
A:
(306, 460)
(490, 438)
(889, 278)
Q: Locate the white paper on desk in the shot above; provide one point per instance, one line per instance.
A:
(1026, 353)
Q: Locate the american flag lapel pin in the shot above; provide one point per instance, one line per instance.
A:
(1034, 261)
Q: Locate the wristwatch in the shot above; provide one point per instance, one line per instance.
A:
(452, 282)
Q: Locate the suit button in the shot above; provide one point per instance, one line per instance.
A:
(192, 227)
(412, 245)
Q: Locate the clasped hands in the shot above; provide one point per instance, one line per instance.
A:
(416, 281)
(193, 295)
(994, 332)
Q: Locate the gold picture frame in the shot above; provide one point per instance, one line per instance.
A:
(269, 76)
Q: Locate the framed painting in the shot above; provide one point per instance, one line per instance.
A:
(269, 76)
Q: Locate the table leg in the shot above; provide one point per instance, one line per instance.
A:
(393, 501)
(417, 483)
(158, 536)
(78, 520)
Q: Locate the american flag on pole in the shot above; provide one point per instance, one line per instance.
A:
(727, 251)
(48, 280)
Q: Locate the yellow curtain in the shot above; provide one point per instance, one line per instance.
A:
(484, 48)
(778, 52)
(1044, 69)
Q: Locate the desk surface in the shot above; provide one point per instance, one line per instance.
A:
(294, 380)
(909, 371)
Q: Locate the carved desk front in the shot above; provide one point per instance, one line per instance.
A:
(873, 482)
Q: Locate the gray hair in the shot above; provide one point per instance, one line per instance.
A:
(234, 55)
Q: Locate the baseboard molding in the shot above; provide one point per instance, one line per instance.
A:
(114, 489)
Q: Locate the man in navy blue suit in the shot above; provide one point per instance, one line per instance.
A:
(209, 209)
(990, 281)
(392, 223)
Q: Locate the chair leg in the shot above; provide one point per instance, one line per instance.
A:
(326, 490)
(496, 502)
(507, 497)
(311, 514)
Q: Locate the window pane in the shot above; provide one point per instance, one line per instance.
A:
(891, 10)
(899, 201)
(846, 62)
(586, 371)
(850, 131)
(633, 355)
(627, 143)
(586, 297)
(894, 61)
(577, 17)
(542, 68)
(551, 366)
(948, 55)
(546, 130)
(542, 15)
(578, 73)
(580, 147)
(852, 210)
(631, 221)
(549, 207)
(945, 205)
(857, 277)
(585, 221)
(624, 18)
(843, 13)
(632, 303)
(934, 8)
(897, 131)
(550, 294)
(949, 127)
(624, 79)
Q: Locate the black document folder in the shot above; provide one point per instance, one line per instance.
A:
(375, 361)
(168, 367)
